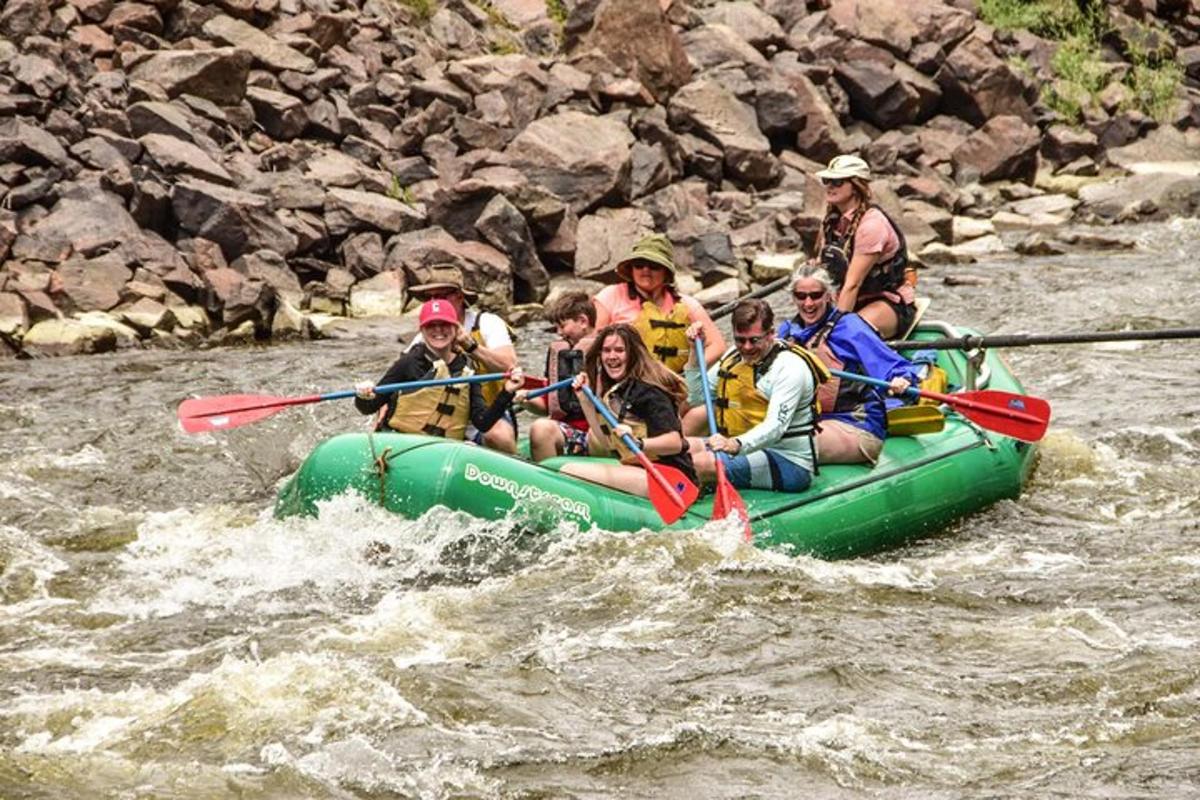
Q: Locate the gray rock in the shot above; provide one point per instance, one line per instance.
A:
(238, 221)
(352, 210)
(502, 225)
(711, 111)
(580, 158)
(267, 50)
(90, 284)
(605, 237)
(218, 75)
(61, 337)
(177, 157)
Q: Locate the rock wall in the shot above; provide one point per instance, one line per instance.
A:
(176, 172)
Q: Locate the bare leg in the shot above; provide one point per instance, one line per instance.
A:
(501, 437)
(839, 443)
(622, 477)
(695, 422)
(545, 439)
(881, 317)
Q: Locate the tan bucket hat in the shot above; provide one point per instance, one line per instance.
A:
(655, 248)
(440, 276)
(846, 167)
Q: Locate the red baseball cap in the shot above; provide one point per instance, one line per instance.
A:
(438, 311)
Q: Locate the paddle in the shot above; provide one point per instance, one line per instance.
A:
(726, 501)
(670, 491)
(1017, 415)
(207, 414)
(972, 342)
(554, 387)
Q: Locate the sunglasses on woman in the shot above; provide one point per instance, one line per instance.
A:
(802, 296)
(833, 183)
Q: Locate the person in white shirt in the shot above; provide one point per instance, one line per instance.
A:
(484, 337)
(764, 394)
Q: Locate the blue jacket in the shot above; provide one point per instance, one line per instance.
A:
(861, 350)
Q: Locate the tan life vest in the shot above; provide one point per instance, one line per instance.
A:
(491, 389)
(834, 395)
(436, 410)
(621, 411)
(561, 354)
(665, 334)
(740, 405)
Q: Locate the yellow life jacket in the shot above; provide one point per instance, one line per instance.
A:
(740, 405)
(621, 411)
(492, 389)
(437, 410)
(935, 380)
(665, 334)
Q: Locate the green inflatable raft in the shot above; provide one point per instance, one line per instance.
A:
(920, 484)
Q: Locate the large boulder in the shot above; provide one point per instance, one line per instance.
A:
(485, 269)
(900, 26)
(711, 111)
(636, 36)
(981, 84)
(888, 95)
(1005, 147)
(607, 236)
(268, 51)
(238, 221)
(581, 158)
(86, 219)
(502, 226)
(218, 74)
(67, 337)
(95, 284)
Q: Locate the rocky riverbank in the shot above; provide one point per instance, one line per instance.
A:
(175, 173)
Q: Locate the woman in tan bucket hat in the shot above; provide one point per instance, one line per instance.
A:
(864, 250)
(646, 298)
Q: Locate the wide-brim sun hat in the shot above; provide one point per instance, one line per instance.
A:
(846, 167)
(655, 249)
(440, 277)
(438, 311)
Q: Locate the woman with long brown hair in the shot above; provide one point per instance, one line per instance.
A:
(864, 250)
(645, 398)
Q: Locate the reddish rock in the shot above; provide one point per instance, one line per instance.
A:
(1005, 147)
(637, 36)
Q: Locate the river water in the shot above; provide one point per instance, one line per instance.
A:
(162, 636)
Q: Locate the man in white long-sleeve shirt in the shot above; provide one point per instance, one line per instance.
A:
(764, 396)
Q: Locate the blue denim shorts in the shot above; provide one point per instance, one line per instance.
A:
(765, 469)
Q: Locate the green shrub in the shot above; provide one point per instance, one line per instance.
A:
(1079, 72)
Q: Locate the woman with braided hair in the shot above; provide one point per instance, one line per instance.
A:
(864, 250)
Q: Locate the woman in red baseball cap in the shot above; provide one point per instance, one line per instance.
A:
(437, 410)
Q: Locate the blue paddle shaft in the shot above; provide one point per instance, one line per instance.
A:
(603, 410)
(554, 387)
(850, 376)
(706, 387)
(388, 388)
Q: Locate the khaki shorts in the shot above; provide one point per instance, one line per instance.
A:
(841, 443)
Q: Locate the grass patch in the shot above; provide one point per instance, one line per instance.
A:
(423, 10)
(1079, 72)
(398, 191)
(557, 11)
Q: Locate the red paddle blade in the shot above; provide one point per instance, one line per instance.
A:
(668, 506)
(209, 414)
(727, 501)
(534, 382)
(1017, 415)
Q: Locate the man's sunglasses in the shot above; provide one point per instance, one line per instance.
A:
(833, 182)
(800, 296)
(750, 340)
